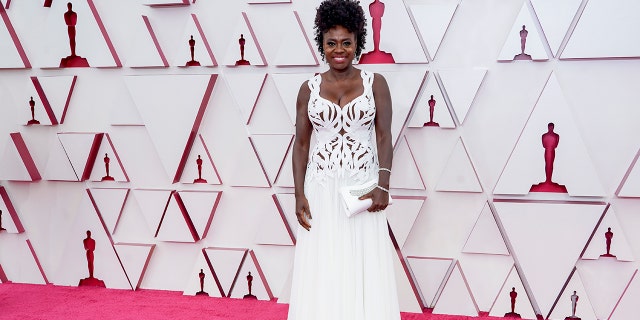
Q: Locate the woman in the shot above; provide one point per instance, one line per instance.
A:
(343, 267)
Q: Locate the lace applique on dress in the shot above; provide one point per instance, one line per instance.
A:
(345, 141)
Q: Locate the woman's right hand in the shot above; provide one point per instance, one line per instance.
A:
(302, 212)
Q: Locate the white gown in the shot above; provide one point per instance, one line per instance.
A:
(343, 267)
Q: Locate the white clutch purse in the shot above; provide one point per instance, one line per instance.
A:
(350, 195)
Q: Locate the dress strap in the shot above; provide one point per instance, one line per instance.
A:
(314, 84)
(367, 81)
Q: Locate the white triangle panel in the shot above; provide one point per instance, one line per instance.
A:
(270, 114)
(209, 170)
(10, 219)
(402, 215)
(620, 246)
(408, 295)
(252, 50)
(80, 148)
(459, 173)
(152, 205)
(432, 22)
(422, 113)
(73, 262)
(567, 228)
(18, 261)
(274, 228)
(288, 85)
(248, 170)
(429, 274)
(295, 48)
(404, 87)
(259, 286)
(201, 50)
(110, 204)
(584, 309)
(272, 149)
(56, 91)
(116, 170)
(276, 263)
(12, 55)
(201, 206)
(123, 110)
(534, 45)
(245, 88)
(176, 226)
(285, 294)
(456, 299)
(605, 281)
(285, 178)
(405, 173)
(462, 86)
(135, 259)
(59, 167)
(209, 284)
(606, 31)
(286, 202)
(12, 166)
(555, 18)
(628, 307)
(502, 302)
(485, 236)
(630, 185)
(172, 107)
(91, 42)
(485, 275)
(226, 264)
(395, 21)
(572, 166)
(146, 50)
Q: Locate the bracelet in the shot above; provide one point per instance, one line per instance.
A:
(384, 169)
(383, 189)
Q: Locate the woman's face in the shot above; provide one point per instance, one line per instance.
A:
(339, 47)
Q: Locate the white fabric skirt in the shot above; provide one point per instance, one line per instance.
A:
(343, 267)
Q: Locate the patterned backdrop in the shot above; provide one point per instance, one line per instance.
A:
(474, 85)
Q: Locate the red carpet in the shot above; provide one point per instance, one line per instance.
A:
(38, 302)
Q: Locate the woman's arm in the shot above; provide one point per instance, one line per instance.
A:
(384, 112)
(300, 155)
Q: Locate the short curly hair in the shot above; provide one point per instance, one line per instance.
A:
(346, 13)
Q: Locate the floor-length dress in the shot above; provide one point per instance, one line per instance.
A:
(343, 267)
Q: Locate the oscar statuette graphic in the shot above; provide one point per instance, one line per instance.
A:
(192, 62)
(33, 120)
(1, 228)
(432, 104)
(523, 43)
(73, 60)
(249, 281)
(550, 141)
(376, 9)
(512, 295)
(242, 61)
(608, 238)
(199, 179)
(90, 246)
(201, 292)
(106, 165)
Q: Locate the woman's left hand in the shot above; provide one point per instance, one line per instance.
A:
(380, 199)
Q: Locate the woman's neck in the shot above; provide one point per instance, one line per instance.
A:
(337, 75)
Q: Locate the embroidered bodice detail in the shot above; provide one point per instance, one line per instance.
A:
(345, 141)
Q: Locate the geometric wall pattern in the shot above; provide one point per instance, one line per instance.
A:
(467, 228)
